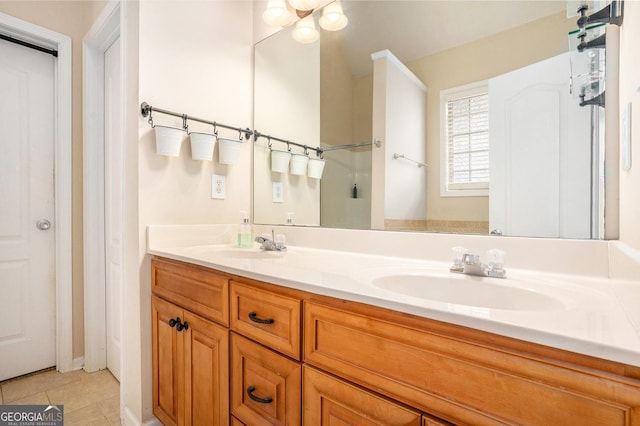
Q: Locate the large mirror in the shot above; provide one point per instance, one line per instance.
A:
(437, 116)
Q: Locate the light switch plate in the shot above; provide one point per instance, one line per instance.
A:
(218, 187)
(278, 196)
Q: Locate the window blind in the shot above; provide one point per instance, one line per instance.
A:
(468, 142)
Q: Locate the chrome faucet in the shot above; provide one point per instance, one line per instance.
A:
(471, 265)
(267, 244)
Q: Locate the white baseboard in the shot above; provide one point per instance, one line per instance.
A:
(78, 363)
(130, 419)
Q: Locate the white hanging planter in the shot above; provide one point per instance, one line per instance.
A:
(168, 140)
(202, 145)
(280, 161)
(298, 164)
(315, 168)
(229, 150)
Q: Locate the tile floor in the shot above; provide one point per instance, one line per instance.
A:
(88, 398)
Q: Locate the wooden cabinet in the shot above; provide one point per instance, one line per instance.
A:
(463, 380)
(190, 353)
(267, 317)
(190, 367)
(265, 386)
(330, 401)
(294, 358)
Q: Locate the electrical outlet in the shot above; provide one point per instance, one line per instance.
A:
(278, 196)
(218, 187)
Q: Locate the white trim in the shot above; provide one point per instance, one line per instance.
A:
(106, 29)
(130, 419)
(62, 175)
(78, 363)
(471, 89)
(102, 34)
(402, 67)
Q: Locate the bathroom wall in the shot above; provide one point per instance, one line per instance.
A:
(201, 67)
(72, 18)
(473, 62)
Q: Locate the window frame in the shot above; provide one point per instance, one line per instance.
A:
(471, 189)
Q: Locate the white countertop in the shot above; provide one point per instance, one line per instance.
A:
(589, 315)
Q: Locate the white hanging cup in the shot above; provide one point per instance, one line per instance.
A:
(229, 150)
(280, 161)
(315, 168)
(168, 140)
(298, 165)
(202, 145)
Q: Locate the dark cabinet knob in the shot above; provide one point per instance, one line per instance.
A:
(182, 326)
(254, 317)
(267, 400)
(174, 321)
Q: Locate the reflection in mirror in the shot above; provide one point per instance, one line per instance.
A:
(477, 90)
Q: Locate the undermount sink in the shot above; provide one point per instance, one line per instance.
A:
(468, 291)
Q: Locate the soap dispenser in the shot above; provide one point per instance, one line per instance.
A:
(245, 236)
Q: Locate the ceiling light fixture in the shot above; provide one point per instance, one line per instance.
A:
(333, 18)
(305, 31)
(304, 5)
(277, 13)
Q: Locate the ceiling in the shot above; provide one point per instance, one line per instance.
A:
(412, 29)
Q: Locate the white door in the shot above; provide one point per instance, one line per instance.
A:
(113, 205)
(27, 257)
(540, 161)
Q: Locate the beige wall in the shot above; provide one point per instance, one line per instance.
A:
(473, 62)
(72, 18)
(629, 92)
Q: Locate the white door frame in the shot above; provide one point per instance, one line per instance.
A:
(62, 165)
(105, 30)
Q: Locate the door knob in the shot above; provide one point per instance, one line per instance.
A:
(43, 224)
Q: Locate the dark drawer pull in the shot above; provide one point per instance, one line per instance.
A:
(267, 400)
(254, 317)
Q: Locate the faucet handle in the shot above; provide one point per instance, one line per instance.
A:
(495, 259)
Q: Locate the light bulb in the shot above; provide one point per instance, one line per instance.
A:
(333, 18)
(305, 31)
(304, 4)
(276, 11)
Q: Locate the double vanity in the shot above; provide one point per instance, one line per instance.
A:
(316, 336)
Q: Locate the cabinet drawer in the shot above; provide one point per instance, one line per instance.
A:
(202, 292)
(265, 386)
(328, 401)
(267, 317)
(459, 379)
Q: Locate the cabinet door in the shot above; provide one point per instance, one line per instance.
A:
(330, 401)
(206, 357)
(168, 361)
(265, 386)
